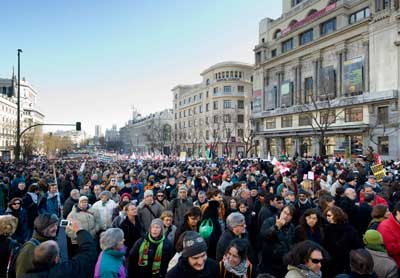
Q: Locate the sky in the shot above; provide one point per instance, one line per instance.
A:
(92, 60)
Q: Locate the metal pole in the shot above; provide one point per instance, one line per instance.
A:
(17, 145)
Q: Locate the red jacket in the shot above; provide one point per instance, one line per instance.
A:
(390, 231)
(377, 201)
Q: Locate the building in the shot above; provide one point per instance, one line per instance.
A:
(215, 113)
(30, 115)
(148, 134)
(322, 80)
(112, 135)
(77, 137)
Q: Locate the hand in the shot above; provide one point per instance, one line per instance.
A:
(280, 222)
(75, 225)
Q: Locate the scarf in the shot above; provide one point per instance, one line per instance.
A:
(307, 272)
(34, 197)
(144, 253)
(240, 270)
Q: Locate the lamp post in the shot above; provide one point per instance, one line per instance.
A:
(17, 145)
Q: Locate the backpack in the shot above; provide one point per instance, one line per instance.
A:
(206, 228)
(15, 248)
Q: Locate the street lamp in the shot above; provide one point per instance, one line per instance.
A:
(17, 145)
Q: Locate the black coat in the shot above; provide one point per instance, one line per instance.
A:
(223, 242)
(131, 232)
(21, 234)
(68, 205)
(351, 209)
(31, 208)
(184, 270)
(211, 212)
(364, 217)
(81, 265)
(339, 240)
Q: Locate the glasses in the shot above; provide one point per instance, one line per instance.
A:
(317, 261)
(16, 204)
(160, 195)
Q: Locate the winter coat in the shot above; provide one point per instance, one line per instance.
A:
(132, 233)
(50, 205)
(339, 240)
(21, 233)
(134, 270)
(223, 242)
(351, 209)
(170, 234)
(90, 221)
(81, 265)
(6, 245)
(31, 208)
(296, 272)
(110, 264)
(266, 212)
(179, 208)
(276, 244)
(384, 265)
(390, 231)
(105, 212)
(301, 234)
(184, 270)
(364, 217)
(68, 205)
(146, 216)
(211, 212)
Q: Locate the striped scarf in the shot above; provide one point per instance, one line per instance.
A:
(144, 253)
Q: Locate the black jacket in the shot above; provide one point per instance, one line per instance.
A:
(131, 232)
(68, 205)
(211, 212)
(81, 265)
(184, 270)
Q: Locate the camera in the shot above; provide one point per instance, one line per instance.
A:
(65, 223)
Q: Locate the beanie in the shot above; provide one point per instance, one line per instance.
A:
(43, 221)
(83, 198)
(158, 221)
(373, 240)
(193, 244)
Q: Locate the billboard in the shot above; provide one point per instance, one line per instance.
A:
(286, 94)
(353, 77)
(327, 83)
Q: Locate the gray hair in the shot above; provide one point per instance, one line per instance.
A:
(105, 193)
(110, 238)
(74, 193)
(234, 219)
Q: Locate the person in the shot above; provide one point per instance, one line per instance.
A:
(51, 203)
(273, 206)
(110, 262)
(378, 214)
(30, 204)
(150, 255)
(236, 228)
(212, 213)
(70, 202)
(276, 233)
(369, 189)
(361, 265)
(15, 209)
(178, 254)
(309, 227)
(201, 199)
(390, 231)
(191, 222)
(46, 258)
(131, 226)
(8, 225)
(45, 228)
(169, 228)
(180, 205)
(305, 260)
(302, 203)
(232, 206)
(384, 265)
(161, 199)
(148, 209)
(339, 239)
(104, 208)
(194, 261)
(235, 262)
(364, 213)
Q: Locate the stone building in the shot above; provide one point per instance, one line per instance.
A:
(326, 78)
(214, 114)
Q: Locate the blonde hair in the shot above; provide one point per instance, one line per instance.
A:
(166, 213)
(8, 225)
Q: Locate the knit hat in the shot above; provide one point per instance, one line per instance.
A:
(43, 221)
(158, 221)
(8, 225)
(350, 177)
(193, 244)
(126, 195)
(83, 198)
(182, 188)
(373, 240)
(148, 192)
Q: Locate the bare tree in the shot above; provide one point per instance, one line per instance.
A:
(158, 135)
(248, 137)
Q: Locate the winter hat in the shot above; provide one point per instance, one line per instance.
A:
(159, 222)
(126, 195)
(8, 225)
(182, 188)
(83, 198)
(373, 240)
(43, 221)
(350, 177)
(148, 192)
(193, 244)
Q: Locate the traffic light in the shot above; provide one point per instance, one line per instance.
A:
(78, 126)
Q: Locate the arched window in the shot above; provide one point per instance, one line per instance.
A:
(311, 12)
(292, 22)
(277, 34)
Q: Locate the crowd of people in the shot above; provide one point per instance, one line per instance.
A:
(225, 218)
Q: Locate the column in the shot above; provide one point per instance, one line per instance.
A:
(299, 94)
(295, 85)
(366, 66)
(315, 79)
(339, 70)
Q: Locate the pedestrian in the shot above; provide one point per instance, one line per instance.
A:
(70, 202)
(131, 226)
(235, 263)
(105, 207)
(310, 227)
(169, 228)
(8, 225)
(51, 202)
(15, 209)
(30, 203)
(378, 214)
(148, 209)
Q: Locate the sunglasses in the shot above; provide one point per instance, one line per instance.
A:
(160, 195)
(317, 261)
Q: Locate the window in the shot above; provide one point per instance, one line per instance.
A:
(306, 37)
(227, 104)
(287, 45)
(201, 96)
(208, 82)
(207, 107)
(240, 132)
(287, 121)
(295, 2)
(227, 118)
(190, 100)
(215, 90)
(184, 101)
(326, 117)
(207, 135)
(215, 105)
(308, 89)
(240, 74)
(240, 89)
(354, 114)
(383, 145)
(258, 57)
(194, 98)
(364, 13)
(190, 112)
(201, 109)
(273, 53)
(215, 133)
(240, 118)
(194, 111)
(176, 116)
(270, 123)
(240, 104)
(207, 121)
(381, 5)
(328, 26)
(227, 89)
(383, 115)
(207, 94)
(189, 123)
(305, 119)
(277, 34)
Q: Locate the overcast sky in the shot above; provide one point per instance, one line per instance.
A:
(90, 61)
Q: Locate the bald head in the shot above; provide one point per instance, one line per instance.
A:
(46, 255)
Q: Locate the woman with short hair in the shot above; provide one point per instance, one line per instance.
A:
(15, 209)
(235, 263)
(169, 229)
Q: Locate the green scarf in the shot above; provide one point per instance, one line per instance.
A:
(144, 253)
